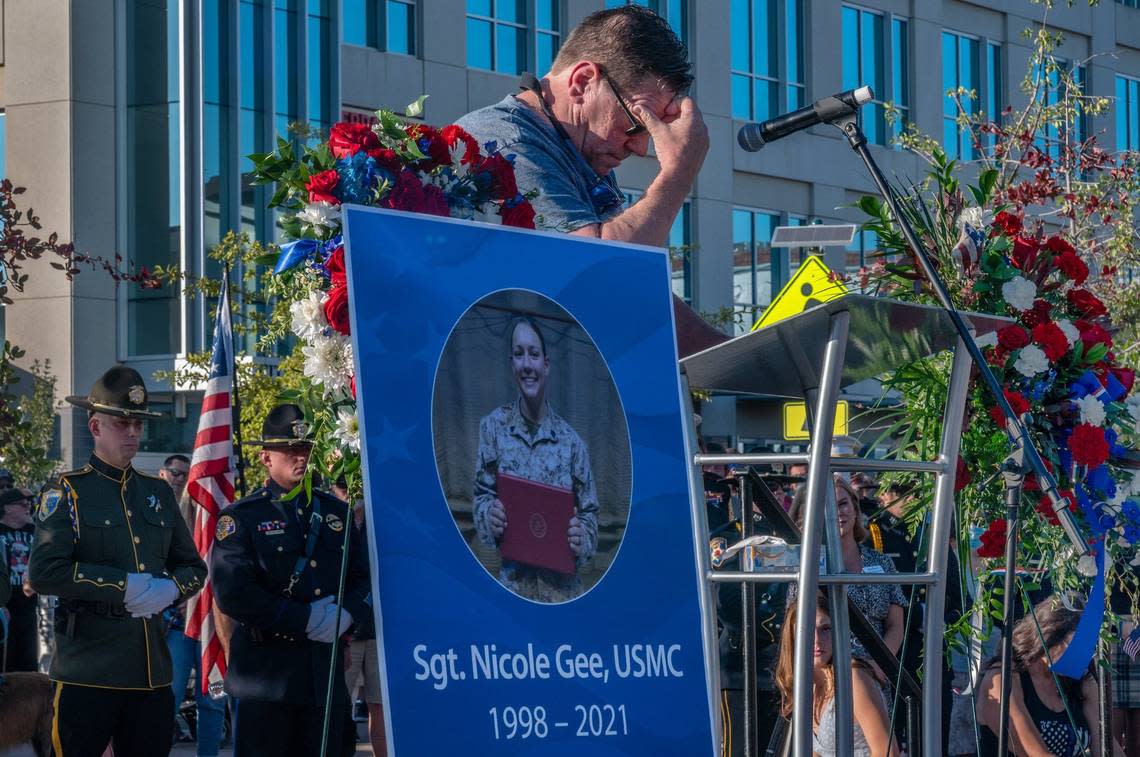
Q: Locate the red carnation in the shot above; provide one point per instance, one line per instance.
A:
(1126, 377)
(1012, 337)
(437, 151)
(1008, 224)
(435, 203)
(407, 194)
(1059, 246)
(1085, 303)
(1024, 253)
(1017, 401)
(1052, 341)
(1039, 313)
(321, 186)
(335, 267)
(997, 357)
(520, 215)
(502, 173)
(1071, 266)
(1045, 508)
(962, 476)
(452, 134)
(336, 309)
(1088, 445)
(993, 540)
(1092, 333)
(346, 139)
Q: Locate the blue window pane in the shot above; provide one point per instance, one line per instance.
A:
(764, 39)
(950, 137)
(949, 71)
(216, 166)
(1133, 114)
(796, 98)
(354, 21)
(614, 3)
(969, 70)
(285, 61)
(319, 7)
(872, 50)
(764, 101)
(994, 81)
(320, 45)
(546, 47)
(546, 14)
(479, 7)
(251, 50)
(215, 49)
(478, 44)
(510, 49)
(679, 18)
(741, 97)
(742, 261)
(739, 31)
(900, 63)
(794, 37)
(401, 28)
(851, 73)
(511, 10)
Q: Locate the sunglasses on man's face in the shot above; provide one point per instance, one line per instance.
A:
(635, 126)
(176, 473)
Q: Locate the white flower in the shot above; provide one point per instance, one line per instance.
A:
(1019, 293)
(1086, 566)
(328, 361)
(1092, 410)
(973, 216)
(309, 315)
(348, 429)
(320, 216)
(1031, 361)
(1070, 330)
(986, 340)
(458, 152)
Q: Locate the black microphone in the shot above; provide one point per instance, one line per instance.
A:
(754, 136)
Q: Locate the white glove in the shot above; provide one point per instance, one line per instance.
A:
(319, 618)
(137, 583)
(327, 632)
(345, 620)
(160, 594)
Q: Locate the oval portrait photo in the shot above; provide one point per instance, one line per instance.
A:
(532, 446)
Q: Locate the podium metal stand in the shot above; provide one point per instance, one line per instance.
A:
(811, 356)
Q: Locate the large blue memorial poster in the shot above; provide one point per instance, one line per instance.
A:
(536, 585)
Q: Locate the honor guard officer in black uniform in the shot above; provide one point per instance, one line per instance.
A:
(111, 545)
(275, 568)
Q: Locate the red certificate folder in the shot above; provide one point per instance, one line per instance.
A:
(538, 518)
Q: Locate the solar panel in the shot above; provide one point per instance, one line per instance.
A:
(836, 235)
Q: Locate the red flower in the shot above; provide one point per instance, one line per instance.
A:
(346, 139)
(962, 477)
(435, 203)
(336, 309)
(1052, 341)
(1016, 400)
(520, 215)
(1071, 266)
(1085, 303)
(1126, 377)
(997, 357)
(502, 173)
(1092, 333)
(1038, 314)
(407, 194)
(993, 540)
(1008, 224)
(1045, 507)
(1088, 445)
(1012, 337)
(335, 266)
(321, 186)
(435, 149)
(1024, 252)
(1058, 246)
(452, 134)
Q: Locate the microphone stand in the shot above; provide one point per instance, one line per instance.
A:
(1023, 454)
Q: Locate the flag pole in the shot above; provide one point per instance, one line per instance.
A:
(239, 462)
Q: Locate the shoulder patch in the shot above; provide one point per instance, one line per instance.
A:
(49, 503)
(226, 527)
(334, 522)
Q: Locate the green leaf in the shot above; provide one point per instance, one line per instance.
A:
(416, 109)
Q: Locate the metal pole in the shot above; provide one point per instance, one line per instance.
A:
(335, 669)
(818, 485)
(1014, 476)
(239, 460)
(748, 625)
(939, 554)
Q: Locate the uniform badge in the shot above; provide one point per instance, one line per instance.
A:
(226, 527)
(136, 394)
(49, 502)
(271, 527)
(153, 503)
(335, 523)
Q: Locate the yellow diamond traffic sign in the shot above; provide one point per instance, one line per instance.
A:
(812, 285)
(796, 420)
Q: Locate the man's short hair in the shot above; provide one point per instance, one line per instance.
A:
(631, 43)
(175, 459)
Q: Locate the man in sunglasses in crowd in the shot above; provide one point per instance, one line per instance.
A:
(174, 471)
(621, 78)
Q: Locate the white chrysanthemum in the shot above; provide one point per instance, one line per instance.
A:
(1019, 293)
(1070, 331)
(989, 339)
(320, 216)
(1086, 566)
(309, 315)
(328, 361)
(347, 429)
(1031, 361)
(1092, 410)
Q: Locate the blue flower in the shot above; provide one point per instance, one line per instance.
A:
(1131, 511)
(1131, 534)
(359, 178)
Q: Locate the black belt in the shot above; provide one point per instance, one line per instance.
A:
(259, 636)
(108, 609)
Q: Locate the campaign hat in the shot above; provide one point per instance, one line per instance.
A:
(121, 392)
(284, 426)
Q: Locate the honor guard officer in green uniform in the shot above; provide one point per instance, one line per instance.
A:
(275, 569)
(110, 544)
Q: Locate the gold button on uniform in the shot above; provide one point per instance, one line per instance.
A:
(137, 540)
(81, 575)
(106, 523)
(313, 563)
(142, 566)
(280, 549)
(317, 592)
(128, 513)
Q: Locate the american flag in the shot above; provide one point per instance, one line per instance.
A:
(211, 487)
(1132, 643)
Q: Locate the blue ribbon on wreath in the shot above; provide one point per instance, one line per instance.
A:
(293, 253)
(1075, 661)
